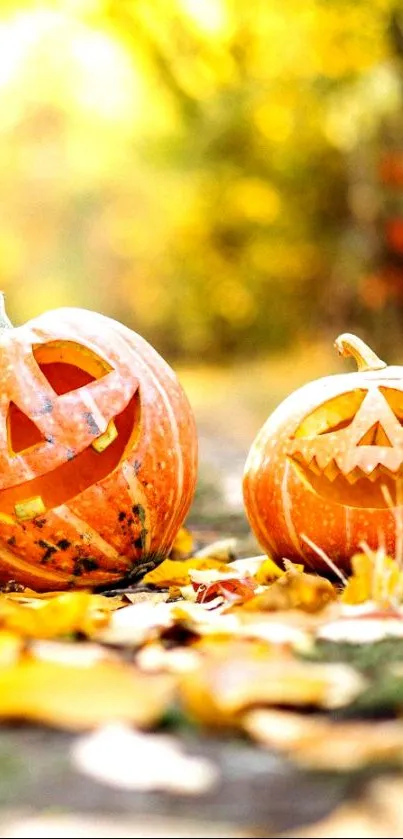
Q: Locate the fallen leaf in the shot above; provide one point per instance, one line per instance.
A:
(11, 646)
(132, 760)
(219, 690)
(232, 590)
(318, 742)
(268, 571)
(223, 550)
(183, 545)
(136, 623)
(176, 572)
(375, 813)
(82, 696)
(67, 613)
(294, 590)
(376, 577)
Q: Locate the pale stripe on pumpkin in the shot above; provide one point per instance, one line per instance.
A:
(82, 528)
(287, 509)
(30, 569)
(138, 497)
(141, 349)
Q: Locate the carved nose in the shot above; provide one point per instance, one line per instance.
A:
(375, 436)
(22, 431)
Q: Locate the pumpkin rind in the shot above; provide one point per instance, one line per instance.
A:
(127, 519)
(325, 489)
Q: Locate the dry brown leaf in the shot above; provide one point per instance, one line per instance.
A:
(219, 690)
(294, 590)
(321, 743)
(147, 596)
(82, 696)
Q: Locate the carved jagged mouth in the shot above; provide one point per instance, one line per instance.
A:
(74, 476)
(380, 487)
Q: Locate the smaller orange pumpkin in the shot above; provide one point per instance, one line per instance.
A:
(325, 473)
(98, 452)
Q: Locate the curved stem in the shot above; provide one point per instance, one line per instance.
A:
(349, 344)
(5, 322)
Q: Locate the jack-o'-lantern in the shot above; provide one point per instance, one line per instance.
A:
(325, 473)
(98, 452)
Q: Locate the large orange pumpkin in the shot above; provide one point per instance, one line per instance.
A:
(325, 473)
(98, 452)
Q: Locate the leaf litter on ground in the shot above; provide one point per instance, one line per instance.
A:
(271, 651)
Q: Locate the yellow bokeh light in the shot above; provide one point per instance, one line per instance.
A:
(209, 15)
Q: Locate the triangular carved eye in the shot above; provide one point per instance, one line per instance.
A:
(22, 431)
(375, 436)
(68, 366)
(333, 415)
(394, 398)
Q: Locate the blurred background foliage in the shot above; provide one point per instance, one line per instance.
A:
(225, 176)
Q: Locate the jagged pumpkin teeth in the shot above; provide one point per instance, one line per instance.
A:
(315, 467)
(354, 476)
(335, 465)
(105, 439)
(30, 508)
(331, 471)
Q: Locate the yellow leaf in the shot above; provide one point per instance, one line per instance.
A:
(176, 573)
(376, 577)
(81, 697)
(294, 590)
(64, 614)
(267, 572)
(183, 544)
(220, 690)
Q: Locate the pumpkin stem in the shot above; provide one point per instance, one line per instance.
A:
(349, 344)
(5, 322)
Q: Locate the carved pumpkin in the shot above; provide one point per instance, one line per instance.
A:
(325, 473)
(98, 452)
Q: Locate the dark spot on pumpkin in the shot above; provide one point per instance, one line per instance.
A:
(45, 408)
(92, 425)
(11, 540)
(70, 454)
(136, 466)
(39, 522)
(84, 563)
(139, 511)
(63, 544)
(121, 515)
(49, 550)
(138, 543)
(49, 438)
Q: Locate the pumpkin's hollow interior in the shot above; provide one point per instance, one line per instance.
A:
(82, 471)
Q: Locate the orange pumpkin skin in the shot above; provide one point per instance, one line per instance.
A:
(325, 473)
(98, 452)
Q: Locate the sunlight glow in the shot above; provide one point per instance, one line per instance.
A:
(51, 49)
(210, 15)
